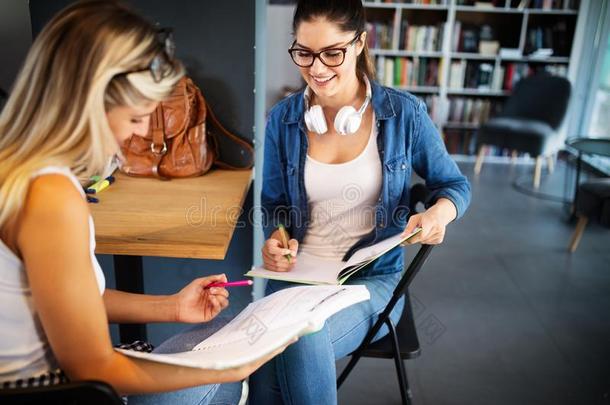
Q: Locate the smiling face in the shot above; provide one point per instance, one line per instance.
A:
(125, 121)
(320, 34)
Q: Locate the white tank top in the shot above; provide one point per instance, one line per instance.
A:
(24, 349)
(342, 199)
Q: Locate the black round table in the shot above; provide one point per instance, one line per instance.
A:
(589, 146)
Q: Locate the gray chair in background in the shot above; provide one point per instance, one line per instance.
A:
(529, 121)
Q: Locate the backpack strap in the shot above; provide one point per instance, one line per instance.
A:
(158, 146)
(244, 145)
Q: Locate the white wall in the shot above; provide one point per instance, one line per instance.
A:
(15, 39)
(280, 69)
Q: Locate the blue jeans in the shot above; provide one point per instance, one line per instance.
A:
(213, 394)
(305, 372)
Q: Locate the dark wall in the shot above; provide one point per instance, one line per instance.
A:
(215, 40)
(15, 39)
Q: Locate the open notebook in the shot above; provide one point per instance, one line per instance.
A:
(265, 325)
(310, 269)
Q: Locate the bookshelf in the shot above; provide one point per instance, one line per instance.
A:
(463, 57)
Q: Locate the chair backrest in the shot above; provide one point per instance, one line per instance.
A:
(3, 98)
(418, 193)
(541, 97)
(82, 392)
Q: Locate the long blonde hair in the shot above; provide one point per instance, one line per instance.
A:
(76, 70)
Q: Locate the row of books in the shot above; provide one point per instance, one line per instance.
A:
(553, 37)
(433, 104)
(469, 110)
(517, 71)
(379, 34)
(433, 2)
(482, 4)
(428, 38)
(553, 4)
(537, 4)
(460, 142)
(466, 37)
(475, 75)
(485, 76)
(397, 71)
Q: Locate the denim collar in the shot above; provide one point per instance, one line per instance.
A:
(382, 105)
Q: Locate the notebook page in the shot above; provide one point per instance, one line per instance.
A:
(265, 325)
(372, 252)
(284, 308)
(308, 270)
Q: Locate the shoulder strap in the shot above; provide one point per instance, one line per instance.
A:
(245, 145)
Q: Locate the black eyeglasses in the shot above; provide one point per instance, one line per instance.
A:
(162, 64)
(331, 57)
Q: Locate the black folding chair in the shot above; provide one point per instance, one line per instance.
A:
(401, 342)
(73, 393)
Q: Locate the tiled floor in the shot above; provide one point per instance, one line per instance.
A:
(522, 320)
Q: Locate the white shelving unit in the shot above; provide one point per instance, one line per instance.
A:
(449, 12)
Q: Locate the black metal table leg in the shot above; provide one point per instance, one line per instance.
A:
(128, 273)
(577, 182)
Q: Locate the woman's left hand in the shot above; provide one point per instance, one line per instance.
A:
(433, 223)
(196, 303)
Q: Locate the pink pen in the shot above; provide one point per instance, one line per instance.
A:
(231, 284)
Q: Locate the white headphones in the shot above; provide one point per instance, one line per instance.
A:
(347, 120)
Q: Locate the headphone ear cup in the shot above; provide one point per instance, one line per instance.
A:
(347, 120)
(315, 120)
(353, 123)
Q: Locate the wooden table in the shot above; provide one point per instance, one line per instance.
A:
(186, 218)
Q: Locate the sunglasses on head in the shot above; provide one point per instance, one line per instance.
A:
(162, 64)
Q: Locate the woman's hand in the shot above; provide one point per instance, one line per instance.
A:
(433, 223)
(275, 256)
(196, 303)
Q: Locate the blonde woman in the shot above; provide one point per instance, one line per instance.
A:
(90, 80)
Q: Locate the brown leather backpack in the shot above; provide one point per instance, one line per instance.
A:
(181, 141)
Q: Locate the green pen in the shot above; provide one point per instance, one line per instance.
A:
(284, 238)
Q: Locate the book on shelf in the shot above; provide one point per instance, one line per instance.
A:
(459, 142)
(498, 77)
(419, 38)
(425, 2)
(379, 34)
(264, 326)
(553, 37)
(471, 111)
(433, 105)
(457, 73)
(517, 71)
(482, 4)
(546, 4)
(400, 71)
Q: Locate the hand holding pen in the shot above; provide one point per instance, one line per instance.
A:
(279, 251)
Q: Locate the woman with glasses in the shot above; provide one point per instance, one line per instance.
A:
(338, 162)
(91, 79)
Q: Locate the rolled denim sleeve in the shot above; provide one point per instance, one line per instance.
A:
(274, 199)
(432, 163)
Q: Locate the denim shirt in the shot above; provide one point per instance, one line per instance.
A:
(407, 140)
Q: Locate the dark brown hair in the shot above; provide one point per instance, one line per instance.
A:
(349, 15)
